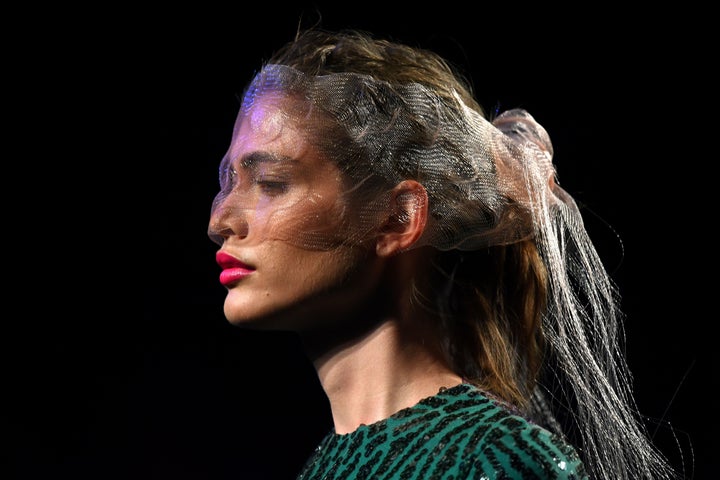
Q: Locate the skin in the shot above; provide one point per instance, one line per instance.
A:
(350, 304)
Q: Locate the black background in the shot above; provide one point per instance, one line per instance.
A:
(111, 387)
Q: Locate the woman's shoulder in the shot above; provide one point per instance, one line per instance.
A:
(497, 438)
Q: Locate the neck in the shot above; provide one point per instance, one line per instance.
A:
(391, 366)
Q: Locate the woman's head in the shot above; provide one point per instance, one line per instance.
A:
(400, 145)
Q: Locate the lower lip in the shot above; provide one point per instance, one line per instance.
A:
(230, 276)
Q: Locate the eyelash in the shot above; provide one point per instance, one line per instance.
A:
(270, 187)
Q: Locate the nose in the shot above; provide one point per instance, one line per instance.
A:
(227, 220)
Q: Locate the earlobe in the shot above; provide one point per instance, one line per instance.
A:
(406, 218)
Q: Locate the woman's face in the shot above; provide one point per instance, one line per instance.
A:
(281, 220)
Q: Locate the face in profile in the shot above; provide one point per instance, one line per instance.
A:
(282, 223)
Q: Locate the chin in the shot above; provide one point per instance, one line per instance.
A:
(253, 317)
(252, 322)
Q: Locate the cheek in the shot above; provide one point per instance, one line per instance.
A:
(314, 223)
(297, 277)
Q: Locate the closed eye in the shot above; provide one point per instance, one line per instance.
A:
(272, 188)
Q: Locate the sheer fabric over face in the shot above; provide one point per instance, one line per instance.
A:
(485, 180)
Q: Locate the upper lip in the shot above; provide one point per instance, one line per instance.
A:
(226, 260)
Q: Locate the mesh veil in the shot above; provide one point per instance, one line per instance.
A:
(489, 183)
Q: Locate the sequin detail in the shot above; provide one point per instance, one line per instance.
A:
(458, 434)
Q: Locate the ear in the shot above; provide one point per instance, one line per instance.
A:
(406, 218)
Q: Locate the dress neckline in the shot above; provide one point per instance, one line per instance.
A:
(426, 402)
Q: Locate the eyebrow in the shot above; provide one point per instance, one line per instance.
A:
(252, 159)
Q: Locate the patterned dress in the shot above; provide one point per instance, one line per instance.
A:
(457, 434)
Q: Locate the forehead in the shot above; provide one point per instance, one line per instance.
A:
(271, 123)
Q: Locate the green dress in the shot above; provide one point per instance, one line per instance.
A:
(457, 434)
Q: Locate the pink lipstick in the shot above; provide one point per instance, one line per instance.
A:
(233, 270)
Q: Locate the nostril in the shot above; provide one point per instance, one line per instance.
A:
(227, 219)
(220, 230)
(216, 237)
